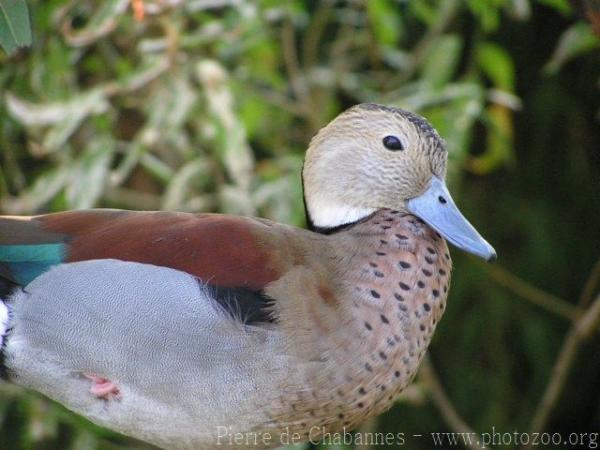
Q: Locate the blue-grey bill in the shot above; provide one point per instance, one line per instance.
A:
(436, 207)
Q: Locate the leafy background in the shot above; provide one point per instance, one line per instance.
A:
(208, 105)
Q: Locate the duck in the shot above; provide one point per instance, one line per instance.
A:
(194, 331)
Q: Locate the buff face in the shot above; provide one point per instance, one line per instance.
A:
(373, 157)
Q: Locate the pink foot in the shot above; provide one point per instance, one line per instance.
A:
(103, 388)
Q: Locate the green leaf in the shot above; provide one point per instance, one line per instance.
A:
(89, 173)
(44, 189)
(499, 148)
(15, 29)
(233, 147)
(497, 64)
(576, 40)
(442, 59)
(487, 12)
(385, 23)
(562, 6)
(63, 118)
(183, 182)
(423, 11)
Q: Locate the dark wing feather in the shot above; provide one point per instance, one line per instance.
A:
(247, 306)
(237, 256)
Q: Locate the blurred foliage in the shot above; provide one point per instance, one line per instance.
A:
(15, 30)
(208, 105)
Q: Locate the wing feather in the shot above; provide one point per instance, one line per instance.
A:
(224, 251)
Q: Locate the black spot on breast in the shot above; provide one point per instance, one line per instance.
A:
(368, 326)
(404, 286)
(398, 297)
(404, 264)
(402, 237)
(375, 294)
(384, 319)
(420, 284)
(426, 272)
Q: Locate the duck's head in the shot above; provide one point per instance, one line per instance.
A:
(373, 157)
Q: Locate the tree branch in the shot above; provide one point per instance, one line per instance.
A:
(581, 330)
(442, 402)
(587, 294)
(529, 292)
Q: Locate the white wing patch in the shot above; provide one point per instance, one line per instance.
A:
(4, 319)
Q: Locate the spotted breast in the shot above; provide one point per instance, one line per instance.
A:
(393, 275)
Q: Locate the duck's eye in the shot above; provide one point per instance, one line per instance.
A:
(392, 143)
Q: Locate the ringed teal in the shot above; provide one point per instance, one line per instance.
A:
(183, 330)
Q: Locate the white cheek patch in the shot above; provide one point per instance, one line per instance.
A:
(330, 215)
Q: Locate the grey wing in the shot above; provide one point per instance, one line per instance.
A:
(155, 331)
